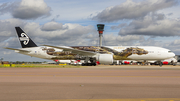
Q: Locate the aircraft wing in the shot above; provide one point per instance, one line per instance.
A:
(16, 49)
(74, 51)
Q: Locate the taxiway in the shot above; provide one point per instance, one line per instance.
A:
(100, 83)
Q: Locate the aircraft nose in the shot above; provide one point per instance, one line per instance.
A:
(171, 55)
(174, 54)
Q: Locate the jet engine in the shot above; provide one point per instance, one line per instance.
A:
(105, 58)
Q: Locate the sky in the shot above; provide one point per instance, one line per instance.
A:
(74, 23)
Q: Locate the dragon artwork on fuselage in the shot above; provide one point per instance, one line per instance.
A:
(117, 55)
(124, 54)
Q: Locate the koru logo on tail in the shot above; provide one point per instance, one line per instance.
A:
(24, 38)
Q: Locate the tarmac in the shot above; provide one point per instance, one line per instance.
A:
(93, 83)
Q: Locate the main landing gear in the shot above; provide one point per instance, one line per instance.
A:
(89, 61)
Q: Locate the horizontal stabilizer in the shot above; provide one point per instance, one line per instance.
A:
(16, 49)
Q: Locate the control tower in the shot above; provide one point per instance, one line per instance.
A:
(100, 30)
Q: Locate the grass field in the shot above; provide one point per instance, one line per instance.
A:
(38, 66)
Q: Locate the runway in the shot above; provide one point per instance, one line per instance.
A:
(100, 83)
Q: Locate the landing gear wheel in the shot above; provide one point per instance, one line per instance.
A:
(174, 64)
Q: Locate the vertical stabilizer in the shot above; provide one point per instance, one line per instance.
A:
(24, 39)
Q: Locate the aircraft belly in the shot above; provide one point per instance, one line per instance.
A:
(146, 57)
(142, 57)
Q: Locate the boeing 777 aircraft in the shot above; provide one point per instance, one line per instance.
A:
(90, 54)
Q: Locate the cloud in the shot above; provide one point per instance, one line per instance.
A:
(5, 52)
(4, 44)
(119, 26)
(5, 7)
(7, 29)
(176, 42)
(31, 9)
(152, 25)
(150, 42)
(26, 9)
(53, 26)
(60, 34)
(174, 46)
(110, 39)
(132, 10)
(67, 34)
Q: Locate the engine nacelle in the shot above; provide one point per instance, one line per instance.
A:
(105, 58)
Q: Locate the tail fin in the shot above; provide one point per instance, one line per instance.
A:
(24, 39)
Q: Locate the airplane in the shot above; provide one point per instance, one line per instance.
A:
(91, 54)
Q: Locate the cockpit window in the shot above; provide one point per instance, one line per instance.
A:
(169, 51)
